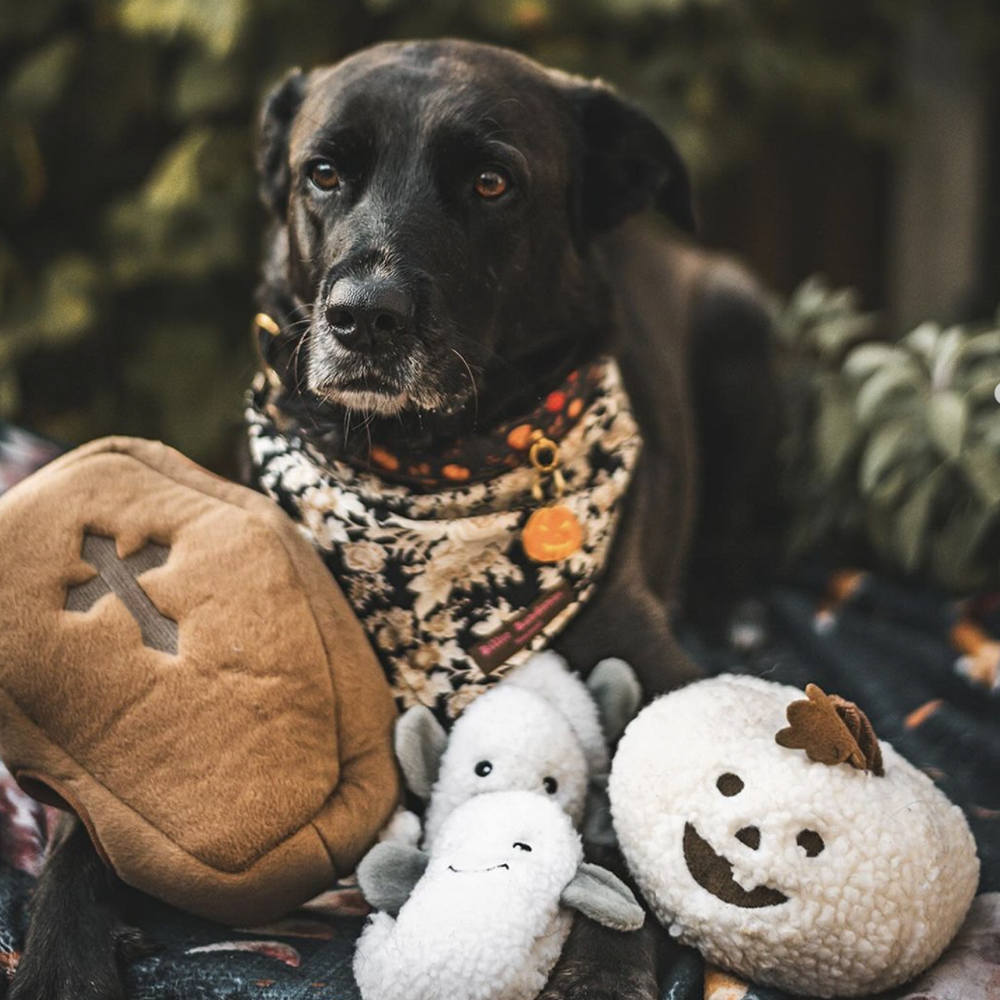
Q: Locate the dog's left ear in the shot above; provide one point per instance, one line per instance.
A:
(629, 164)
(280, 108)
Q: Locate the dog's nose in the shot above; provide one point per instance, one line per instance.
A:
(366, 313)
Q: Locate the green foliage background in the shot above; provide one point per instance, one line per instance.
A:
(894, 443)
(129, 223)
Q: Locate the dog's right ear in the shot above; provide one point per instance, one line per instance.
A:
(279, 111)
(629, 164)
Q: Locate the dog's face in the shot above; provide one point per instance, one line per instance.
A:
(438, 201)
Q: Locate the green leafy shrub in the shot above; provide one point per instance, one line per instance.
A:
(897, 442)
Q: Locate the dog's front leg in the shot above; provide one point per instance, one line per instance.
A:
(626, 619)
(601, 964)
(76, 929)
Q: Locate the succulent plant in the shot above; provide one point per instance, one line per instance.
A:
(895, 442)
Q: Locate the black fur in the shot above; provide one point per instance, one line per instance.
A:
(76, 936)
(280, 108)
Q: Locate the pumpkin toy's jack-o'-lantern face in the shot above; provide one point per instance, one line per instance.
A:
(822, 879)
(714, 871)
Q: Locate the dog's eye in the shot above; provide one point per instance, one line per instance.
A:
(324, 175)
(483, 768)
(491, 184)
(522, 847)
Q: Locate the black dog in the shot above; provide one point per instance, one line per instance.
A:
(449, 244)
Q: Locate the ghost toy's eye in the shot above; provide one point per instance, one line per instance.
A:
(550, 785)
(518, 846)
(729, 784)
(483, 768)
(810, 842)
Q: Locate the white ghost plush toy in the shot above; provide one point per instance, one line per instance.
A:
(485, 915)
(770, 829)
(541, 729)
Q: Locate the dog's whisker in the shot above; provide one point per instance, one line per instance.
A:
(472, 382)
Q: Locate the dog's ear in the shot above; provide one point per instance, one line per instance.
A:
(279, 110)
(629, 164)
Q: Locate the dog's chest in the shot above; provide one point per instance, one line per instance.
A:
(442, 581)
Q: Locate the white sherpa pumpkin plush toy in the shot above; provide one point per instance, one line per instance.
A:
(485, 915)
(541, 729)
(770, 829)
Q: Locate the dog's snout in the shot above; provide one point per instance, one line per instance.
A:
(366, 313)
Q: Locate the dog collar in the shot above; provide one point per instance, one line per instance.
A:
(441, 580)
(470, 458)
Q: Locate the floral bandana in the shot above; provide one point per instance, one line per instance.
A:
(440, 580)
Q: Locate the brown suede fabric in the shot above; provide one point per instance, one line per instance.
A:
(216, 716)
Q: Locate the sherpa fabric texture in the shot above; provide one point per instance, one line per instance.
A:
(823, 879)
(485, 920)
(538, 730)
(214, 713)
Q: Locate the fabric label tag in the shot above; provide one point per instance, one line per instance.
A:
(517, 633)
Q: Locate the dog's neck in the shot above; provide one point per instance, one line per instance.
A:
(353, 436)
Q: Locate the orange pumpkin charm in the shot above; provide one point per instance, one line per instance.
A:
(551, 534)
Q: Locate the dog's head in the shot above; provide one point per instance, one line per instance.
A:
(437, 203)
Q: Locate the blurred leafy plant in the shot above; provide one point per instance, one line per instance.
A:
(129, 225)
(897, 442)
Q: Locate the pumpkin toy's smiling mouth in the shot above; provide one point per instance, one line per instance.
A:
(714, 874)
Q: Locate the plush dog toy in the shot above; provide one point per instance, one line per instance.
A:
(542, 729)
(773, 831)
(485, 915)
(179, 668)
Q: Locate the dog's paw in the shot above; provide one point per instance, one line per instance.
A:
(132, 944)
(596, 991)
(599, 984)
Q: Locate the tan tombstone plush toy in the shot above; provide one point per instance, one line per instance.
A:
(179, 668)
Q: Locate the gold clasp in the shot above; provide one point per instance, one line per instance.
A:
(545, 458)
(264, 322)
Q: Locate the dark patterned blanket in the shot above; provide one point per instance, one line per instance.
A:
(924, 667)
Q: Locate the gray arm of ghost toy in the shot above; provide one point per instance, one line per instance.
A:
(603, 897)
(617, 693)
(420, 741)
(616, 690)
(388, 873)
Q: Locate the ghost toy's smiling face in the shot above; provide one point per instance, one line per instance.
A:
(828, 879)
(516, 844)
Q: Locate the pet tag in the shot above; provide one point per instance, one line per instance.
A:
(553, 532)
